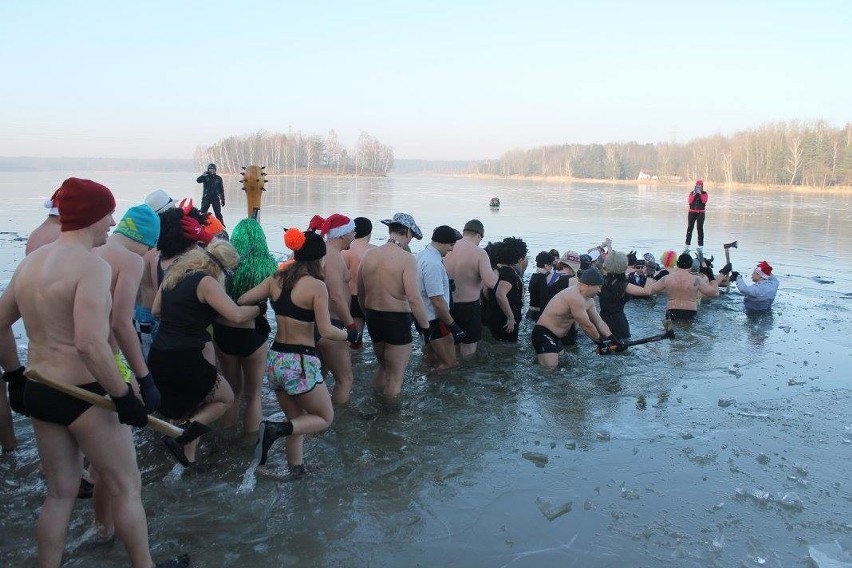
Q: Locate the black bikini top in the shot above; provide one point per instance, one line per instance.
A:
(284, 306)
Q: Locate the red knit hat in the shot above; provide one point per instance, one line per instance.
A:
(699, 183)
(764, 269)
(82, 203)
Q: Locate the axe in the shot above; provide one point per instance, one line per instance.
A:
(728, 247)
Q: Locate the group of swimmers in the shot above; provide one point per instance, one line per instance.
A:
(167, 314)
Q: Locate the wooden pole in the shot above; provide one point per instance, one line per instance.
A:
(160, 426)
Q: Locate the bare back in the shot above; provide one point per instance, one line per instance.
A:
(684, 289)
(148, 285)
(44, 234)
(337, 280)
(382, 277)
(563, 309)
(468, 265)
(352, 256)
(48, 285)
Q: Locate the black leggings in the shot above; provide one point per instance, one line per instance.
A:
(693, 217)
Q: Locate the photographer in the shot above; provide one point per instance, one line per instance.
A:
(213, 192)
(697, 200)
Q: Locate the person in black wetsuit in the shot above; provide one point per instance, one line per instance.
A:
(213, 192)
(614, 293)
(181, 359)
(538, 281)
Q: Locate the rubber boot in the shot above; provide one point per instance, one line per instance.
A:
(191, 432)
(269, 432)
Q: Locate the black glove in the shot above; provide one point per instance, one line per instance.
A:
(602, 347)
(726, 269)
(659, 275)
(616, 344)
(150, 393)
(708, 272)
(130, 409)
(423, 331)
(734, 276)
(354, 336)
(17, 382)
(458, 333)
(263, 305)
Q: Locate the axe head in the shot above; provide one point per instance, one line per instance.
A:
(730, 245)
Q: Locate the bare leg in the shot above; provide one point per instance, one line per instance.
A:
(445, 353)
(61, 462)
(109, 446)
(468, 349)
(336, 356)
(550, 360)
(309, 413)
(231, 370)
(214, 406)
(380, 375)
(254, 367)
(396, 359)
(104, 524)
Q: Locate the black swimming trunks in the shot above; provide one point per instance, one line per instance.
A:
(683, 315)
(544, 340)
(50, 405)
(469, 317)
(393, 328)
(237, 341)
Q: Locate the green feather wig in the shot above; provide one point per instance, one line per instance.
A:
(256, 263)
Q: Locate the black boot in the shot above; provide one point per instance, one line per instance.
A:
(269, 432)
(191, 432)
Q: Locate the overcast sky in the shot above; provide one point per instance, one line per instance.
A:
(435, 80)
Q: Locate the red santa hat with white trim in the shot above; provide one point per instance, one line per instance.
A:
(764, 269)
(334, 227)
(52, 204)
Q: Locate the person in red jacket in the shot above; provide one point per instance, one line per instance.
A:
(697, 202)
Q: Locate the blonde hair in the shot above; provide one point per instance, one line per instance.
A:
(204, 260)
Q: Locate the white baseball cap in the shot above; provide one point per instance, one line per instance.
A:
(159, 200)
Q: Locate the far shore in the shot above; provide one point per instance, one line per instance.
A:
(708, 184)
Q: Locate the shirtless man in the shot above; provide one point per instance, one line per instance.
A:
(469, 268)
(683, 289)
(135, 235)
(353, 256)
(67, 321)
(572, 305)
(339, 231)
(388, 292)
(48, 231)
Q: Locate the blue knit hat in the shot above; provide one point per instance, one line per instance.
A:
(140, 224)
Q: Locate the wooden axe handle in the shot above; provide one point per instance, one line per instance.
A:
(160, 426)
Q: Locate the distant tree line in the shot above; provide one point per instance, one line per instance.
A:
(783, 153)
(297, 153)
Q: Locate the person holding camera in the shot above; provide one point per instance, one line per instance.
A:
(213, 192)
(697, 202)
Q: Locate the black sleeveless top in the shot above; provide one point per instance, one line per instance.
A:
(183, 319)
(284, 306)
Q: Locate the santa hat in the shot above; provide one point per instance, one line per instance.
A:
(334, 227)
(764, 269)
(52, 204)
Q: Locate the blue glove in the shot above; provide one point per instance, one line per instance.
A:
(150, 393)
